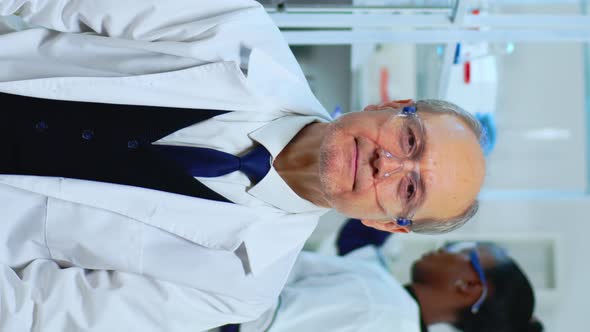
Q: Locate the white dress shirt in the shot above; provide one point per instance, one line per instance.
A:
(86, 256)
(354, 293)
(235, 133)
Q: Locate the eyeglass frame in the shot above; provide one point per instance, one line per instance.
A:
(408, 111)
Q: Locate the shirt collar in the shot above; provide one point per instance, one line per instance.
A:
(410, 290)
(274, 137)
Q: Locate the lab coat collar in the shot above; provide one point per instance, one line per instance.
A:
(218, 85)
(273, 82)
(410, 290)
(292, 229)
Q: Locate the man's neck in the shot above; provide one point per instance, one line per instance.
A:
(433, 309)
(299, 163)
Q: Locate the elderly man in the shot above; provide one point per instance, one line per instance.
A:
(164, 163)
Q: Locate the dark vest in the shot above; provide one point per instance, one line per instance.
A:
(95, 141)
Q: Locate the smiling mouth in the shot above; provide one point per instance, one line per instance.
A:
(356, 161)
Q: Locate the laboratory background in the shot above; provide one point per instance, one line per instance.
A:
(523, 67)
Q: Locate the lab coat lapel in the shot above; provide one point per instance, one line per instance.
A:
(220, 86)
(193, 219)
(270, 81)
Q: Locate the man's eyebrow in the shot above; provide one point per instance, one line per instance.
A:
(419, 199)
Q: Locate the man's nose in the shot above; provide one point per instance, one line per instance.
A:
(386, 164)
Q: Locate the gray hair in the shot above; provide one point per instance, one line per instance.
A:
(434, 226)
(441, 106)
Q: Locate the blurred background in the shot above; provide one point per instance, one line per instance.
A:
(523, 67)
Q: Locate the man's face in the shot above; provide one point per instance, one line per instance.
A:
(358, 181)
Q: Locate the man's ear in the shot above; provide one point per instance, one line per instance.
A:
(390, 227)
(390, 104)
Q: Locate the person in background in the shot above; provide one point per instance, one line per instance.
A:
(163, 162)
(473, 287)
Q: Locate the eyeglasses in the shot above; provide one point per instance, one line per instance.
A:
(402, 138)
(471, 247)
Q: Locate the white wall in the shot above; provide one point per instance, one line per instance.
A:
(542, 86)
(541, 95)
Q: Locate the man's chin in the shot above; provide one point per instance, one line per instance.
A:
(329, 190)
(331, 178)
(347, 208)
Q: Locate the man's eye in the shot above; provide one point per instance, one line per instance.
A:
(411, 139)
(410, 191)
(409, 142)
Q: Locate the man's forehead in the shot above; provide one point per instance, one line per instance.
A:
(452, 169)
(443, 204)
(450, 124)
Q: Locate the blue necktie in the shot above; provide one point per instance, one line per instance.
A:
(230, 328)
(354, 235)
(205, 162)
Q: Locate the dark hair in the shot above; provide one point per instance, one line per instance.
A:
(534, 326)
(509, 305)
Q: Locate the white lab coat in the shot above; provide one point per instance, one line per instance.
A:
(84, 256)
(355, 293)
